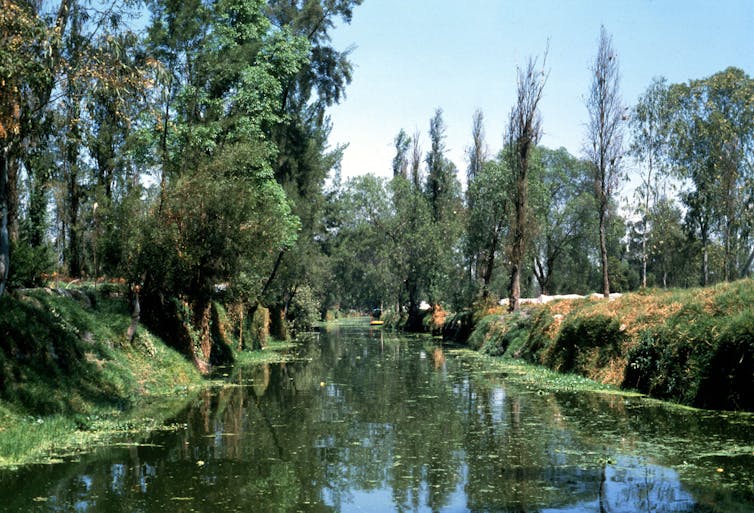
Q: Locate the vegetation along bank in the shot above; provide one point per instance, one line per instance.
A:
(73, 375)
(693, 346)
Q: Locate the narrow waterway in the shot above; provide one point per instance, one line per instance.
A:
(369, 421)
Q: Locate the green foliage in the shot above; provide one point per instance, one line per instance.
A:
(498, 335)
(62, 354)
(304, 310)
(458, 327)
(259, 328)
(580, 337)
(30, 264)
(701, 355)
(711, 128)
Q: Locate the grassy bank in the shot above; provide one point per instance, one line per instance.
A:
(694, 347)
(71, 380)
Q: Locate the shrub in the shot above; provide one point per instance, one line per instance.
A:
(458, 327)
(727, 379)
(30, 265)
(303, 310)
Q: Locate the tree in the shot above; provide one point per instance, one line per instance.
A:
(562, 211)
(442, 186)
(300, 134)
(712, 130)
(400, 161)
(488, 215)
(604, 139)
(477, 153)
(524, 132)
(416, 159)
(649, 128)
(30, 54)
(443, 193)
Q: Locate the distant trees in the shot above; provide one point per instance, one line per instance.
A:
(193, 158)
(604, 139)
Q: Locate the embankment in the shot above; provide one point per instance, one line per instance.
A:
(71, 378)
(694, 347)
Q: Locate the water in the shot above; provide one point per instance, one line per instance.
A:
(369, 422)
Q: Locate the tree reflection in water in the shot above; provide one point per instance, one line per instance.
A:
(367, 421)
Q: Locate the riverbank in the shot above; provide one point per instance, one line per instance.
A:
(694, 347)
(70, 379)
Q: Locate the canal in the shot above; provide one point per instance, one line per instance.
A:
(367, 421)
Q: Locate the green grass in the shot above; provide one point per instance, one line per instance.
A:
(70, 381)
(534, 377)
(694, 347)
(275, 351)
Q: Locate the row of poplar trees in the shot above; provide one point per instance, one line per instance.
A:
(539, 221)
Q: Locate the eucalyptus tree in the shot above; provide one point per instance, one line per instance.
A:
(604, 138)
(524, 132)
(649, 144)
(712, 146)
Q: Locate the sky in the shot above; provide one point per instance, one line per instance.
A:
(414, 56)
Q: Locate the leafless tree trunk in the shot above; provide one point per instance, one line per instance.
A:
(524, 132)
(604, 146)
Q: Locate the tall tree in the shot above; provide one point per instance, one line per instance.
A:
(524, 132)
(416, 159)
(30, 56)
(477, 153)
(487, 225)
(604, 138)
(443, 192)
(712, 130)
(402, 144)
(649, 123)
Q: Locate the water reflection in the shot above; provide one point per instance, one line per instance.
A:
(371, 422)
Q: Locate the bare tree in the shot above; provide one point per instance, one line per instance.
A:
(604, 145)
(524, 132)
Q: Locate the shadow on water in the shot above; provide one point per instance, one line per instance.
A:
(368, 421)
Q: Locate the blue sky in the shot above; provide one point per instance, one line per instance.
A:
(413, 56)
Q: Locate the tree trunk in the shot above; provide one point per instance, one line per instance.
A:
(4, 239)
(603, 249)
(519, 242)
(705, 260)
(489, 265)
(135, 313)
